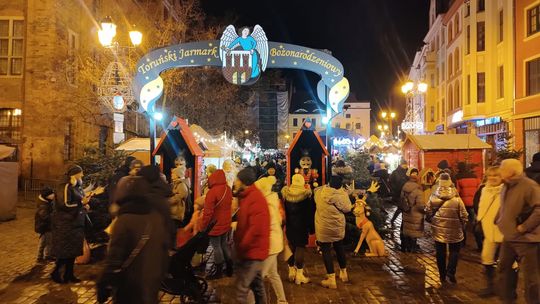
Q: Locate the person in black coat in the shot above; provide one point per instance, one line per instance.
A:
(42, 223)
(118, 174)
(68, 226)
(137, 258)
(398, 178)
(533, 171)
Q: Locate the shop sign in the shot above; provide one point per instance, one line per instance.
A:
(344, 141)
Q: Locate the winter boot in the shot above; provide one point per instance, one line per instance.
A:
(300, 278)
(218, 274)
(330, 281)
(292, 273)
(343, 276)
(229, 269)
(489, 291)
(56, 277)
(69, 276)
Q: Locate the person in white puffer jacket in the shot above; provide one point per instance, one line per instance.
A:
(270, 270)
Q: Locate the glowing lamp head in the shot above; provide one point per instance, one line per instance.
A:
(422, 87)
(392, 115)
(118, 102)
(157, 116)
(379, 127)
(325, 120)
(107, 31)
(407, 87)
(384, 114)
(246, 132)
(135, 37)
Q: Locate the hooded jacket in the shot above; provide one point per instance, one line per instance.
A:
(398, 178)
(520, 197)
(265, 185)
(299, 210)
(219, 191)
(450, 217)
(332, 204)
(42, 219)
(345, 172)
(488, 207)
(413, 220)
(252, 235)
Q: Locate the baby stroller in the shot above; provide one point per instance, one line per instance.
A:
(181, 280)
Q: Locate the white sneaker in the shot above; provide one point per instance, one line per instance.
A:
(292, 273)
(343, 276)
(300, 278)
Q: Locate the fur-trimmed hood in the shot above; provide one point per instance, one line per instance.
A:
(295, 194)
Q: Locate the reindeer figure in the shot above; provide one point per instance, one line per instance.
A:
(369, 234)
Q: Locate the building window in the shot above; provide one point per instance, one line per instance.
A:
(500, 74)
(294, 135)
(481, 6)
(347, 115)
(68, 145)
(72, 62)
(295, 122)
(450, 65)
(501, 25)
(358, 126)
(467, 9)
(337, 125)
(450, 32)
(314, 122)
(11, 47)
(10, 125)
(348, 126)
(533, 77)
(533, 20)
(432, 80)
(468, 89)
(450, 99)
(456, 24)
(480, 36)
(531, 127)
(456, 60)
(468, 42)
(481, 87)
(432, 113)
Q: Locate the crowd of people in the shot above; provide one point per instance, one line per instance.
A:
(254, 215)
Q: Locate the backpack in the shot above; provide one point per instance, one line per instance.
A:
(404, 203)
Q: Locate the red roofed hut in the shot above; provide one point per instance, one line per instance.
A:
(307, 141)
(426, 151)
(178, 140)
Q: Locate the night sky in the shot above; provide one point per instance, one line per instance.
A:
(375, 40)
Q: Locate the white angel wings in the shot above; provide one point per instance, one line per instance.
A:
(229, 35)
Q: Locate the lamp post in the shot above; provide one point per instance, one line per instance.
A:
(115, 87)
(413, 122)
(388, 117)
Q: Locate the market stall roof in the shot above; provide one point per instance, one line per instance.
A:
(179, 128)
(135, 144)
(447, 142)
(6, 151)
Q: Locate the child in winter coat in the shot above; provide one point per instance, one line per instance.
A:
(42, 223)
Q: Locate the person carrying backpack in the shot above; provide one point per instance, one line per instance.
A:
(412, 202)
(43, 225)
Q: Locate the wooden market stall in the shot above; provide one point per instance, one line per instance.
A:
(177, 139)
(426, 151)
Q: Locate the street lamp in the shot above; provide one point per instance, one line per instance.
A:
(413, 121)
(107, 32)
(388, 117)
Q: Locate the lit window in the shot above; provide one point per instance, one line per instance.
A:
(481, 36)
(11, 47)
(10, 125)
(358, 126)
(347, 115)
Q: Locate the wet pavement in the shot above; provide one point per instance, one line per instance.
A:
(398, 278)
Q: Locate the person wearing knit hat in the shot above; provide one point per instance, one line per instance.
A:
(43, 224)
(299, 211)
(447, 215)
(251, 238)
(412, 201)
(68, 226)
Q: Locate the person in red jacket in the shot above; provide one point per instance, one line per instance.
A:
(467, 183)
(217, 206)
(251, 238)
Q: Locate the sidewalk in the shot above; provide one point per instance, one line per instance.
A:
(398, 278)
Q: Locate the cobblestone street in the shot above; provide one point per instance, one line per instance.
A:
(399, 278)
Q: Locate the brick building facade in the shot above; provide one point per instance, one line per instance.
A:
(49, 108)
